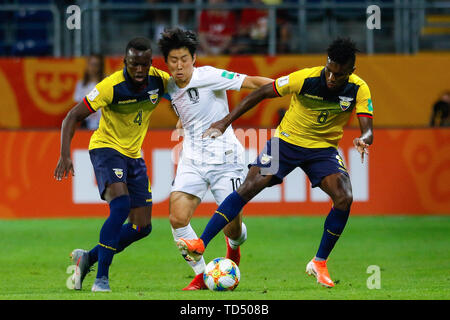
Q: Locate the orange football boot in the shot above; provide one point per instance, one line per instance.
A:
(196, 284)
(320, 271)
(191, 250)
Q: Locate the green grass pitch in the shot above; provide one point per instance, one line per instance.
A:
(412, 253)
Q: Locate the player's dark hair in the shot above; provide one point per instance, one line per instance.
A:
(175, 39)
(139, 43)
(342, 51)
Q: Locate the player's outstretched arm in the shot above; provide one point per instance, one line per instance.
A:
(218, 128)
(76, 114)
(255, 82)
(365, 140)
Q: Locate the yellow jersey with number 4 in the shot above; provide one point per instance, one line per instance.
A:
(316, 116)
(126, 110)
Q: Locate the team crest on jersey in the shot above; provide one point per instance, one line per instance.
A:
(193, 95)
(153, 95)
(118, 172)
(265, 158)
(345, 102)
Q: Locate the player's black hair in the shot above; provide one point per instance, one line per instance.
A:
(139, 43)
(342, 51)
(175, 39)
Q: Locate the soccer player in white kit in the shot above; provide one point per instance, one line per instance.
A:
(198, 96)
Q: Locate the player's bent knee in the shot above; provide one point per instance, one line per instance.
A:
(145, 231)
(178, 221)
(344, 201)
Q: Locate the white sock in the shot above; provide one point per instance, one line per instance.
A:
(189, 233)
(234, 244)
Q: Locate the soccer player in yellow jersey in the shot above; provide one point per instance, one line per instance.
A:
(323, 99)
(127, 99)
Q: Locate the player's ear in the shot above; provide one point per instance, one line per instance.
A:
(194, 58)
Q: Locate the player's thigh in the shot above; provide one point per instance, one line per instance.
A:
(138, 184)
(115, 190)
(141, 216)
(276, 160)
(111, 172)
(181, 208)
(254, 183)
(190, 179)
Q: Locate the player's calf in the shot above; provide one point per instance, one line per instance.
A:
(233, 245)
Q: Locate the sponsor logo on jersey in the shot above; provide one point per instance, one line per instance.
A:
(118, 172)
(345, 102)
(265, 158)
(313, 97)
(127, 101)
(153, 95)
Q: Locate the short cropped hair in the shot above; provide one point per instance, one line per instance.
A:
(139, 43)
(342, 51)
(177, 38)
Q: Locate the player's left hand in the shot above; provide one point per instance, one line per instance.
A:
(215, 130)
(64, 168)
(361, 146)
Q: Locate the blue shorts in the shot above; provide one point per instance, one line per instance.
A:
(317, 163)
(110, 166)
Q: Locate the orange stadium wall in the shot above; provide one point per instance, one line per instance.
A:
(37, 92)
(407, 172)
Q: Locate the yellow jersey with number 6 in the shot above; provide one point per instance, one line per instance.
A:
(126, 110)
(316, 116)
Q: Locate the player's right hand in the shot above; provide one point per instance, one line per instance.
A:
(63, 168)
(215, 130)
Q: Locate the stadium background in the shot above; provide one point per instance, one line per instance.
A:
(404, 64)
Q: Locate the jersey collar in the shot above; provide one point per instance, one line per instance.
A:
(323, 84)
(131, 85)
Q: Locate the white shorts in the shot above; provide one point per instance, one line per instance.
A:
(195, 179)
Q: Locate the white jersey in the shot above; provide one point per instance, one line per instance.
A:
(199, 104)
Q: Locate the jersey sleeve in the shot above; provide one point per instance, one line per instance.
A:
(289, 84)
(364, 107)
(219, 79)
(100, 96)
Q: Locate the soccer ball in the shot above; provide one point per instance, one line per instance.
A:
(221, 274)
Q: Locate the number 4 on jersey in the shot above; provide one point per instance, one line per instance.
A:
(138, 118)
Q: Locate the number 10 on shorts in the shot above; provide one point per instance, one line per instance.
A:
(235, 183)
